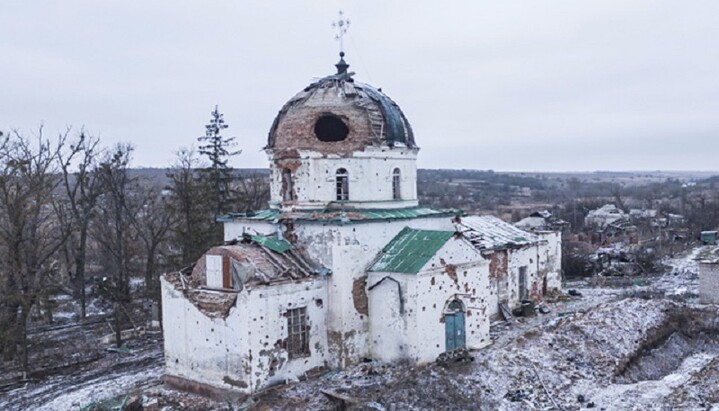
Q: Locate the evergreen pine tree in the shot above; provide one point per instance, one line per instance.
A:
(218, 175)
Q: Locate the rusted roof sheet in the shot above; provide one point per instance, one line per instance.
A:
(491, 233)
(340, 216)
(410, 250)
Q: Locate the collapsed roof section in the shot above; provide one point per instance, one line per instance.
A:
(214, 282)
(491, 233)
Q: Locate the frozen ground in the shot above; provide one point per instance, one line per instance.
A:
(625, 344)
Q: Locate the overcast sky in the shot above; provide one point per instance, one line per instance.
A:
(510, 85)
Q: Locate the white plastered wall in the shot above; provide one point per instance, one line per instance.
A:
(370, 178)
(240, 352)
(349, 250)
(551, 255)
(418, 333)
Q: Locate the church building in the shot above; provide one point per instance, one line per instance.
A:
(344, 264)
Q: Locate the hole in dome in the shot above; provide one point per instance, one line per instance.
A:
(331, 128)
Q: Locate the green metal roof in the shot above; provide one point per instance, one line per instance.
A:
(340, 216)
(278, 246)
(410, 250)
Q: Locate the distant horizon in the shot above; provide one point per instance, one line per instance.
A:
(496, 171)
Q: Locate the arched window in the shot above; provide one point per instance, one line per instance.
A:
(342, 185)
(287, 186)
(396, 193)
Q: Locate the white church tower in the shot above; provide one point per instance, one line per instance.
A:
(341, 144)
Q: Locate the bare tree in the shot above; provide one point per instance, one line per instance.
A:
(152, 224)
(113, 230)
(82, 187)
(28, 233)
(193, 228)
(254, 192)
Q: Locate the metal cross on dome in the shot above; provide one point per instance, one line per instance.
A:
(342, 24)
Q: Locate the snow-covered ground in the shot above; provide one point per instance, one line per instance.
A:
(626, 344)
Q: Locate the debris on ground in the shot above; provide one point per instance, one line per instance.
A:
(626, 344)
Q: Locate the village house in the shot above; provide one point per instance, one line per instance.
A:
(344, 264)
(604, 216)
(542, 220)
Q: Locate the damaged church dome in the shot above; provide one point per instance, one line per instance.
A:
(338, 114)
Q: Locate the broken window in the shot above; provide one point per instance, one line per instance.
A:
(287, 186)
(523, 283)
(298, 338)
(396, 194)
(342, 180)
(331, 128)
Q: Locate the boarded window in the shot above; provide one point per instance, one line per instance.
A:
(217, 271)
(396, 193)
(298, 339)
(342, 185)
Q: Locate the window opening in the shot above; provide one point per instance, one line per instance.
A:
(331, 128)
(342, 185)
(396, 194)
(288, 193)
(523, 283)
(298, 338)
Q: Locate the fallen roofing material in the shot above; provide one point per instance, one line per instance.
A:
(260, 262)
(410, 250)
(491, 233)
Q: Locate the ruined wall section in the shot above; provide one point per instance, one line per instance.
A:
(550, 251)
(416, 331)
(498, 281)
(202, 349)
(267, 309)
(245, 351)
(526, 256)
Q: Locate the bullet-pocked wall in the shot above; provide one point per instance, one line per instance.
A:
(408, 311)
(247, 349)
(377, 177)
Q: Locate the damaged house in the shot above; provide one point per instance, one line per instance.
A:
(542, 220)
(523, 265)
(344, 264)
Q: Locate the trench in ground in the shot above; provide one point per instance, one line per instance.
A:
(686, 333)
